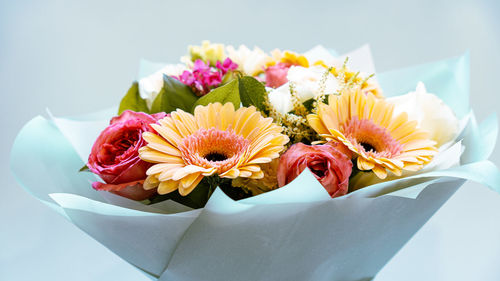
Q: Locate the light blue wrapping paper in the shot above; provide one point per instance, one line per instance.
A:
(294, 233)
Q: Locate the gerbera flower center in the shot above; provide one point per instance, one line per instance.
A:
(215, 157)
(368, 147)
(371, 139)
(214, 148)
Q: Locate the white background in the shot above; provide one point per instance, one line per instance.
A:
(78, 57)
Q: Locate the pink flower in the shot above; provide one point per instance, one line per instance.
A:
(329, 165)
(276, 75)
(226, 66)
(115, 157)
(204, 78)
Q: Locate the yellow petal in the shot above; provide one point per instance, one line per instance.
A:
(232, 174)
(187, 170)
(168, 133)
(257, 175)
(227, 115)
(153, 156)
(150, 182)
(186, 190)
(380, 172)
(188, 180)
(158, 168)
(364, 164)
(167, 186)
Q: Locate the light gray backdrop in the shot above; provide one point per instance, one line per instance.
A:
(81, 56)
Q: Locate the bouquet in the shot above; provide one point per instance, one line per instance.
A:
(237, 164)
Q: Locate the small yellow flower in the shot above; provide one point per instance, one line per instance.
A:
(267, 183)
(288, 57)
(345, 76)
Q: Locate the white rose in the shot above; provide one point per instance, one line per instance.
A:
(280, 98)
(151, 85)
(320, 53)
(306, 82)
(432, 114)
(250, 62)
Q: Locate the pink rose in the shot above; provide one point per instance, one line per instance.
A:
(276, 75)
(329, 165)
(115, 157)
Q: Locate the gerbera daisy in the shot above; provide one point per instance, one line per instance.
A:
(216, 141)
(379, 139)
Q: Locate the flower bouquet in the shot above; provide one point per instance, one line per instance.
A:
(237, 164)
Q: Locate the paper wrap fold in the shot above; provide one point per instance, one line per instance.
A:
(294, 233)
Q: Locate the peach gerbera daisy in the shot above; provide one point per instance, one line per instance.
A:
(216, 140)
(379, 139)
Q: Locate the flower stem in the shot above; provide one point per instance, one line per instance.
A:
(213, 182)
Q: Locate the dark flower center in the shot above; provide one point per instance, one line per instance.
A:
(368, 147)
(215, 157)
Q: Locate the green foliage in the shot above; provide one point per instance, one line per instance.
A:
(172, 96)
(133, 101)
(175, 95)
(85, 168)
(309, 105)
(252, 92)
(200, 195)
(196, 199)
(224, 94)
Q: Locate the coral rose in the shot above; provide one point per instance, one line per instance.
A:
(115, 157)
(276, 75)
(329, 165)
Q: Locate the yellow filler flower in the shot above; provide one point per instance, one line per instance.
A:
(216, 140)
(367, 126)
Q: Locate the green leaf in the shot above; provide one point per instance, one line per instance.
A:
(224, 94)
(252, 92)
(85, 168)
(196, 199)
(133, 101)
(172, 96)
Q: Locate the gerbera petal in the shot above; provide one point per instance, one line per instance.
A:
(183, 124)
(188, 180)
(257, 175)
(157, 143)
(188, 120)
(186, 190)
(187, 170)
(158, 168)
(316, 123)
(232, 174)
(153, 156)
(167, 186)
(168, 174)
(380, 172)
(150, 182)
(364, 164)
(227, 115)
(168, 133)
(251, 168)
(201, 116)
